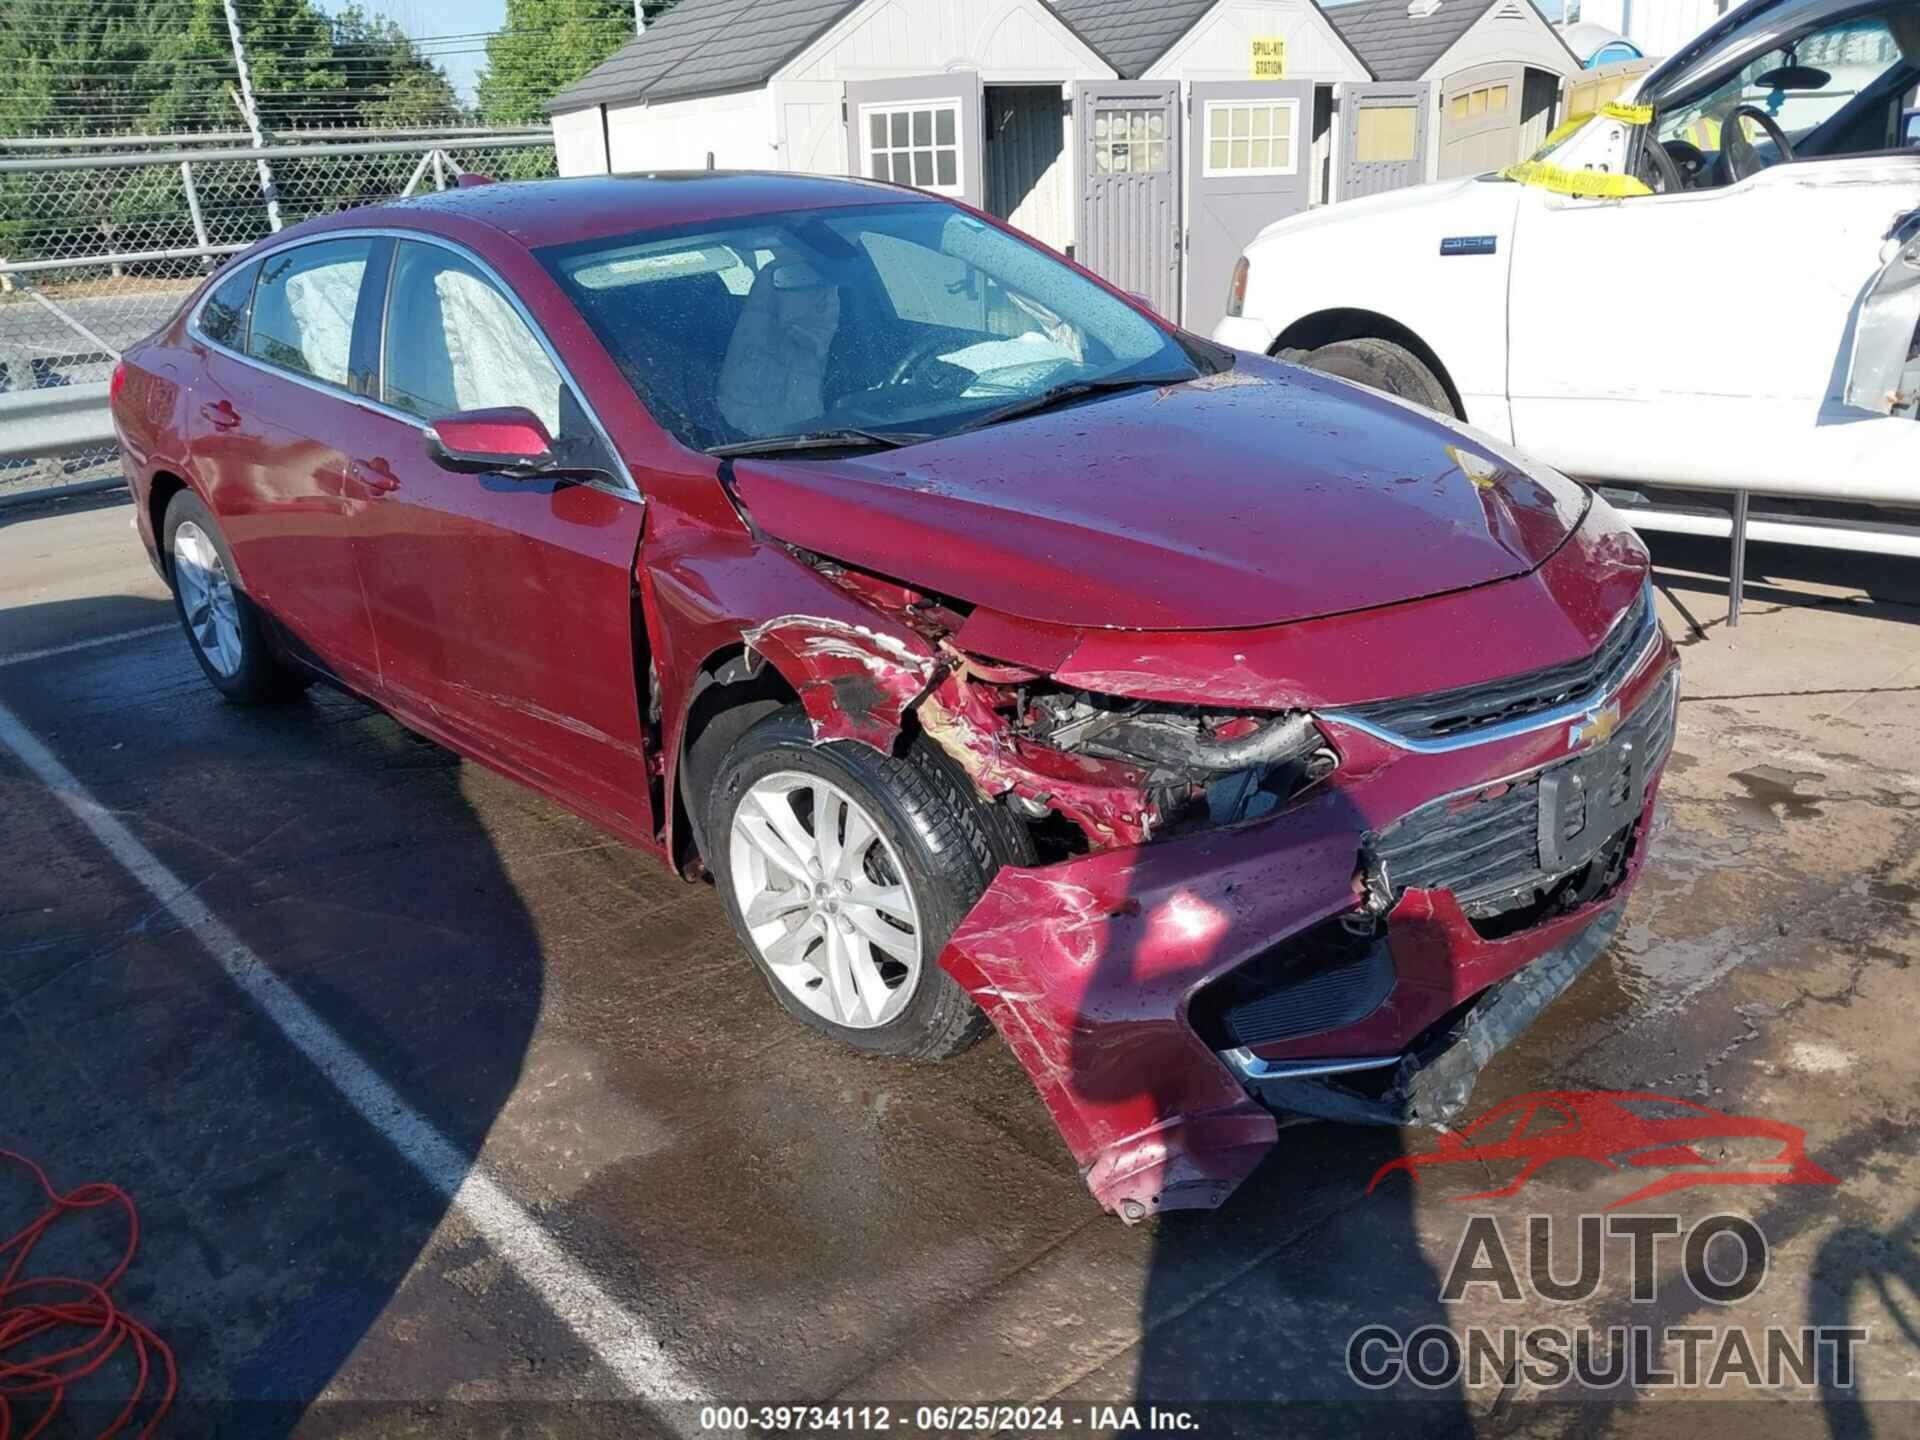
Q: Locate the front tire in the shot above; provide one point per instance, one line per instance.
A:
(1384, 366)
(221, 623)
(845, 871)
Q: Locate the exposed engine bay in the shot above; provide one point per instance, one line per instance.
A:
(1201, 766)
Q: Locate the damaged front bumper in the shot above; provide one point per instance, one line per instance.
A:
(1105, 973)
(1431, 1083)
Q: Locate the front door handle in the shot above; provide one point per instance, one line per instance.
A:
(220, 414)
(376, 476)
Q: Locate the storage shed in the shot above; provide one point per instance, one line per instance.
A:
(1492, 69)
(1151, 138)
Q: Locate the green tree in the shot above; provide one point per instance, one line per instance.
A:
(92, 67)
(289, 56)
(546, 45)
(389, 82)
(100, 66)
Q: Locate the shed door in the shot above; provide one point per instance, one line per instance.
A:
(923, 130)
(1128, 134)
(1480, 111)
(1250, 152)
(1383, 137)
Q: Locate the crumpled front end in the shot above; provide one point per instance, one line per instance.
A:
(1171, 1000)
(1324, 869)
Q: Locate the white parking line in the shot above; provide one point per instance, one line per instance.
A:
(619, 1338)
(23, 656)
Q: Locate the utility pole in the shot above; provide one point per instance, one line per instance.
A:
(252, 115)
(639, 17)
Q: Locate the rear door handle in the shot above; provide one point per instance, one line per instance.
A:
(220, 414)
(376, 475)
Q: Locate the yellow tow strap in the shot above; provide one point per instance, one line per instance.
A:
(1627, 114)
(1564, 129)
(1587, 184)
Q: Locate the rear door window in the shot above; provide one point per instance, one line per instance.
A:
(303, 308)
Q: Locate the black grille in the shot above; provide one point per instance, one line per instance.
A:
(1330, 999)
(1487, 846)
(1472, 707)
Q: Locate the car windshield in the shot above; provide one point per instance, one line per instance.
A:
(1800, 85)
(867, 325)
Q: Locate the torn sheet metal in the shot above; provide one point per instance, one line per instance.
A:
(1105, 798)
(855, 682)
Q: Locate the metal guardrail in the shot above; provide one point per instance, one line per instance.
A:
(37, 423)
(97, 250)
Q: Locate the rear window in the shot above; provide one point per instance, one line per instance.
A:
(303, 308)
(223, 319)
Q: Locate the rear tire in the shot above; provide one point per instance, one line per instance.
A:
(222, 625)
(1384, 366)
(935, 846)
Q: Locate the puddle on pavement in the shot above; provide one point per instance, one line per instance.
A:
(1770, 786)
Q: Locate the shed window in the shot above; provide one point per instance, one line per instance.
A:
(915, 145)
(1471, 104)
(1385, 134)
(1129, 142)
(1252, 138)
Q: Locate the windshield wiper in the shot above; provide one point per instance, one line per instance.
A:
(819, 440)
(1072, 390)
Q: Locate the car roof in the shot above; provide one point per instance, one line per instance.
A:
(550, 212)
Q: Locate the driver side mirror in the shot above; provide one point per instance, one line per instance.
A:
(509, 440)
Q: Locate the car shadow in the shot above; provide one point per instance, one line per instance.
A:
(1248, 1310)
(1854, 1262)
(1691, 570)
(277, 1225)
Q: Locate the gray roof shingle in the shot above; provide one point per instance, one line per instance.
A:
(1399, 46)
(701, 47)
(1131, 34)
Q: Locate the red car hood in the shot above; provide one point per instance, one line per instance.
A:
(1256, 496)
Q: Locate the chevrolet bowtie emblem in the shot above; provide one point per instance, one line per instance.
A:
(1594, 727)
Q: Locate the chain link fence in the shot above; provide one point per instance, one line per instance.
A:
(98, 250)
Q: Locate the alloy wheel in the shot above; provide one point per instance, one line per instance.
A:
(825, 900)
(206, 598)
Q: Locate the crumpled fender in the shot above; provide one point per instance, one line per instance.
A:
(1086, 968)
(859, 683)
(854, 682)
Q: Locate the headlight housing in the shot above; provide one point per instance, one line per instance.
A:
(1202, 765)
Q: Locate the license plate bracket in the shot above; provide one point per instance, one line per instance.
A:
(1586, 801)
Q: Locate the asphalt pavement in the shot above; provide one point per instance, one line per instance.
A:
(447, 1114)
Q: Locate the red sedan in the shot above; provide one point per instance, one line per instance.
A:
(1235, 740)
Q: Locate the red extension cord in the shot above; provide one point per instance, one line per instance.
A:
(55, 1331)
